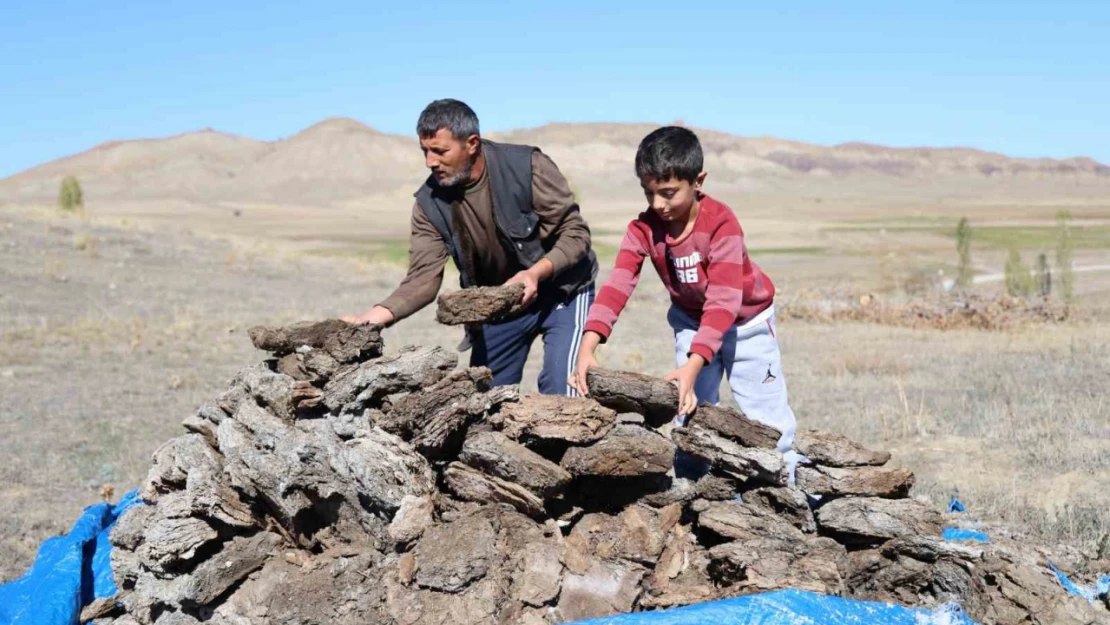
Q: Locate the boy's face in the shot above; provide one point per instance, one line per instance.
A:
(672, 199)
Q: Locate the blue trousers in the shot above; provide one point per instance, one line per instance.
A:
(504, 347)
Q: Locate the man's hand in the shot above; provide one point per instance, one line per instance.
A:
(531, 279)
(376, 315)
(684, 377)
(586, 359)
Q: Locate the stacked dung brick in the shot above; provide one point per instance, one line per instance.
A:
(334, 483)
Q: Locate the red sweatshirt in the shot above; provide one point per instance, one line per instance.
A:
(708, 275)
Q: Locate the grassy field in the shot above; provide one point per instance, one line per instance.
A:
(113, 334)
(996, 236)
(1016, 422)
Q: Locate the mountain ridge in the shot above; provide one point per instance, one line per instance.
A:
(339, 159)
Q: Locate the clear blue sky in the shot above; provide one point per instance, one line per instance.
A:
(1027, 80)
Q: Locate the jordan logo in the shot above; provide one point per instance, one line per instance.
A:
(770, 376)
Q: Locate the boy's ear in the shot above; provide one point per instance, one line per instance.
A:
(700, 180)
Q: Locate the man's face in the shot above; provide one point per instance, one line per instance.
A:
(449, 158)
(671, 199)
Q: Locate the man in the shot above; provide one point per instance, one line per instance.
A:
(505, 215)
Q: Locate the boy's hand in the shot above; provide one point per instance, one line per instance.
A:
(578, 380)
(684, 377)
(586, 359)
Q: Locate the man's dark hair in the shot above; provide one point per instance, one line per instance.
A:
(671, 151)
(454, 115)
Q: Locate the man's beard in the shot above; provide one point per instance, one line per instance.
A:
(462, 177)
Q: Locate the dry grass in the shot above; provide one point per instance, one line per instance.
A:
(936, 311)
(101, 357)
(95, 376)
(1015, 420)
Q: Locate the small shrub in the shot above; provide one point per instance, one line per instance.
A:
(70, 197)
(1044, 275)
(1065, 248)
(919, 281)
(963, 247)
(1019, 281)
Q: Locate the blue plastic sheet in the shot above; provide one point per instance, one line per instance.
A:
(73, 570)
(790, 607)
(69, 572)
(956, 534)
(1091, 593)
(1099, 590)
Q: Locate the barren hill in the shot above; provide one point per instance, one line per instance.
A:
(613, 144)
(342, 160)
(334, 159)
(179, 166)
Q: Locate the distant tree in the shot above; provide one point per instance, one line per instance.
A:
(70, 197)
(964, 272)
(1019, 282)
(1044, 275)
(1065, 248)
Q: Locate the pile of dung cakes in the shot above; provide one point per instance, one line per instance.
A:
(335, 483)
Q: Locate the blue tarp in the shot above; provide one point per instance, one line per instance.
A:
(790, 607)
(1091, 593)
(73, 570)
(956, 534)
(1100, 589)
(69, 572)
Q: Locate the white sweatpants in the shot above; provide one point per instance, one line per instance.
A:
(750, 357)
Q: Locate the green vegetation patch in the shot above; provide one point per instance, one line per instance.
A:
(380, 251)
(1005, 237)
(1037, 237)
(787, 251)
(606, 253)
(396, 251)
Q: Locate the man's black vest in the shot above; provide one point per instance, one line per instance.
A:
(509, 168)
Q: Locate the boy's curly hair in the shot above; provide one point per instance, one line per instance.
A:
(670, 151)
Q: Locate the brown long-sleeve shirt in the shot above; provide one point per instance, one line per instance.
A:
(561, 227)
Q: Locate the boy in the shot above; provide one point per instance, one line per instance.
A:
(722, 308)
